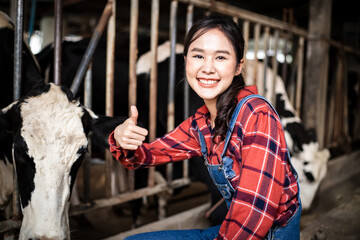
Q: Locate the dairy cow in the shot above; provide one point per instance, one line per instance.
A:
(49, 139)
(43, 136)
(308, 159)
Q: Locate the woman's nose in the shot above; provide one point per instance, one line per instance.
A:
(208, 67)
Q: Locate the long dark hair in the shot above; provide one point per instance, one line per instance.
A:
(227, 101)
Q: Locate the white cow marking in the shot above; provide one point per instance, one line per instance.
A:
(143, 65)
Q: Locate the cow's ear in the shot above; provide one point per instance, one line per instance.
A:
(87, 119)
(10, 117)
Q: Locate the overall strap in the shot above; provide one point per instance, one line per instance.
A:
(234, 117)
(202, 144)
(233, 121)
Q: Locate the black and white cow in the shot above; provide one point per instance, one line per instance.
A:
(308, 159)
(43, 136)
(49, 130)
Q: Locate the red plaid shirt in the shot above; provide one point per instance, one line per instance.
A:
(265, 188)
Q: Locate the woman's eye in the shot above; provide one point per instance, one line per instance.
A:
(220, 58)
(197, 56)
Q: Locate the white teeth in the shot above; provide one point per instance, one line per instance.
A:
(207, 82)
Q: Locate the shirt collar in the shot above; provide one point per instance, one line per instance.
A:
(248, 90)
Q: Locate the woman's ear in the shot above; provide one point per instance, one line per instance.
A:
(239, 67)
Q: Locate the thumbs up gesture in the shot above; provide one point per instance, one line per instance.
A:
(128, 135)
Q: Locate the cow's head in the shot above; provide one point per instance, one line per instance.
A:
(49, 142)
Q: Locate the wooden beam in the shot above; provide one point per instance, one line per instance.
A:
(316, 74)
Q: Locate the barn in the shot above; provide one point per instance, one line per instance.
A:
(303, 56)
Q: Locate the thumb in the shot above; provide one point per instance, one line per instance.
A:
(134, 114)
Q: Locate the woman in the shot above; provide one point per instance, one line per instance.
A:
(243, 145)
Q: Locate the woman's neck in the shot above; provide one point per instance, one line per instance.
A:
(211, 106)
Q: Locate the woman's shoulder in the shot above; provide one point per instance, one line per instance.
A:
(255, 106)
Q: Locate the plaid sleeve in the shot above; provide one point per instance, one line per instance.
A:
(259, 188)
(177, 145)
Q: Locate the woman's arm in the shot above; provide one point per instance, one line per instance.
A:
(177, 145)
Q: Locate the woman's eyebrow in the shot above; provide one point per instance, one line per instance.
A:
(217, 51)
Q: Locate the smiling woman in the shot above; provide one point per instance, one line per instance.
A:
(211, 66)
(237, 132)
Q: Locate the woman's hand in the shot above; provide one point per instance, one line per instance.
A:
(129, 136)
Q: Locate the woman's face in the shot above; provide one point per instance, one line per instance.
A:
(211, 65)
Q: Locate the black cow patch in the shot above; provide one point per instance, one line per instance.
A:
(25, 168)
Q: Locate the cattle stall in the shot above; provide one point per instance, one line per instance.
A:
(266, 39)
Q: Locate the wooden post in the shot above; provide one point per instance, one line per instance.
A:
(256, 48)
(316, 74)
(275, 66)
(134, 22)
(155, 6)
(109, 108)
(299, 77)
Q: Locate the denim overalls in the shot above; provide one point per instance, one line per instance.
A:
(221, 173)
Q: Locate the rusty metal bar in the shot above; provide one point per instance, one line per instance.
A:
(88, 104)
(18, 40)
(134, 22)
(153, 71)
(6, 226)
(91, 48)
(284, 66)
(246, 33)
(58, 41)
(275, 65)
(153, 79)
(189, 22)
(88, 87)
(256, 48)
(300, 72)
(172, 69)
(246, 15)
(125, 197)
(110, 57)
(110, 189)
(134, 10)
(266, 59)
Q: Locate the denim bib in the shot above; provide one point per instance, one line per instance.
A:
(223, 172)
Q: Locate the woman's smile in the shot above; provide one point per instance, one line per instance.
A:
(208, 82)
